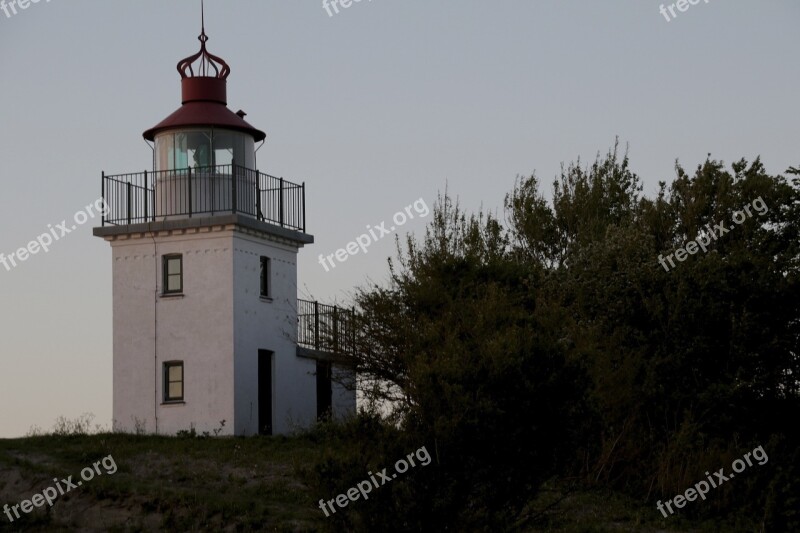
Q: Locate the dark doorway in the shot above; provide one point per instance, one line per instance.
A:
(324, 390)
(265, 392)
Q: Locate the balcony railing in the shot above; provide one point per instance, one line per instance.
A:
(325, 328)
(203, 191)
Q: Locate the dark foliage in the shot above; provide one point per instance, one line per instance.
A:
(560, 346)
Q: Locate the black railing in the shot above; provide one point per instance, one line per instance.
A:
(325, 328)
(203, 191)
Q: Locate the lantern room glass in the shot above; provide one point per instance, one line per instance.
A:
(199, 148)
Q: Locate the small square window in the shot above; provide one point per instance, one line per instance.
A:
(266, 286)
(173, 381)
(173, 274)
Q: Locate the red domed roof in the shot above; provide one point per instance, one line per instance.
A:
(204, 97)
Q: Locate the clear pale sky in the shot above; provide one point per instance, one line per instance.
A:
(385, 103)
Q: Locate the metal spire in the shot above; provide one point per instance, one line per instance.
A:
(208, 62)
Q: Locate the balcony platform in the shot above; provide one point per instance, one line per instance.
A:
(325, 332)
(203, 192)
(267, 229)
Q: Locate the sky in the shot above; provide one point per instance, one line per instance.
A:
(376, 107)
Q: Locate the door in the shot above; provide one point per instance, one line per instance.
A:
(265, 392)
(324, 390)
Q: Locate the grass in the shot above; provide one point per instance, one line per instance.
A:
(184, 484)
(603, 511)
(242, 484)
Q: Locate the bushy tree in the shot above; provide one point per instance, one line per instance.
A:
(458, 344)
(693, 366)
(560, 345)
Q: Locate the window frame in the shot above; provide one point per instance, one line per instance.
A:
(166, 258)
(265, 277)
(168, 365)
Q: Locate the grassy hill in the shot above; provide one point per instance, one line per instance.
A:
(175, 484)
(228, 484)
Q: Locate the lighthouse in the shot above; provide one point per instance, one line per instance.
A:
(208, 332)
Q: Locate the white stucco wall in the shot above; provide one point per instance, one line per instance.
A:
(196, 328)
(261, 324)
(134, 395)
(216, 327)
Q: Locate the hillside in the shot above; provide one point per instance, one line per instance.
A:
(175, 484)
(222, 484)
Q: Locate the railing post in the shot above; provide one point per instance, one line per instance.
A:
(129, 187)
(146, 188)
(303, 214)
(316, 325)
(233, 187)
(335, 329)
(103, 194)
(281, 204)
(190, 192)
(212, 200)
(259, 216)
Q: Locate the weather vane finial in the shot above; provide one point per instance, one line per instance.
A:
(208, 61)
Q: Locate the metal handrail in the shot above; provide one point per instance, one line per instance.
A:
(326, 328)
(142, 197)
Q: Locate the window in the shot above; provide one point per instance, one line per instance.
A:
(173, 274)
(200, 147)
(266, 287)
(173, 381)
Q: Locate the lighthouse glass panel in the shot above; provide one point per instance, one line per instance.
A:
(199, 148)
(202, 171)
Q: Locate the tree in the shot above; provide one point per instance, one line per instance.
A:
(562, 344)
(457, 341)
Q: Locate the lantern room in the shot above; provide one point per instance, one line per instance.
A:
(204, 153)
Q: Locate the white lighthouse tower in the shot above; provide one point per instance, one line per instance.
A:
(208, 331)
